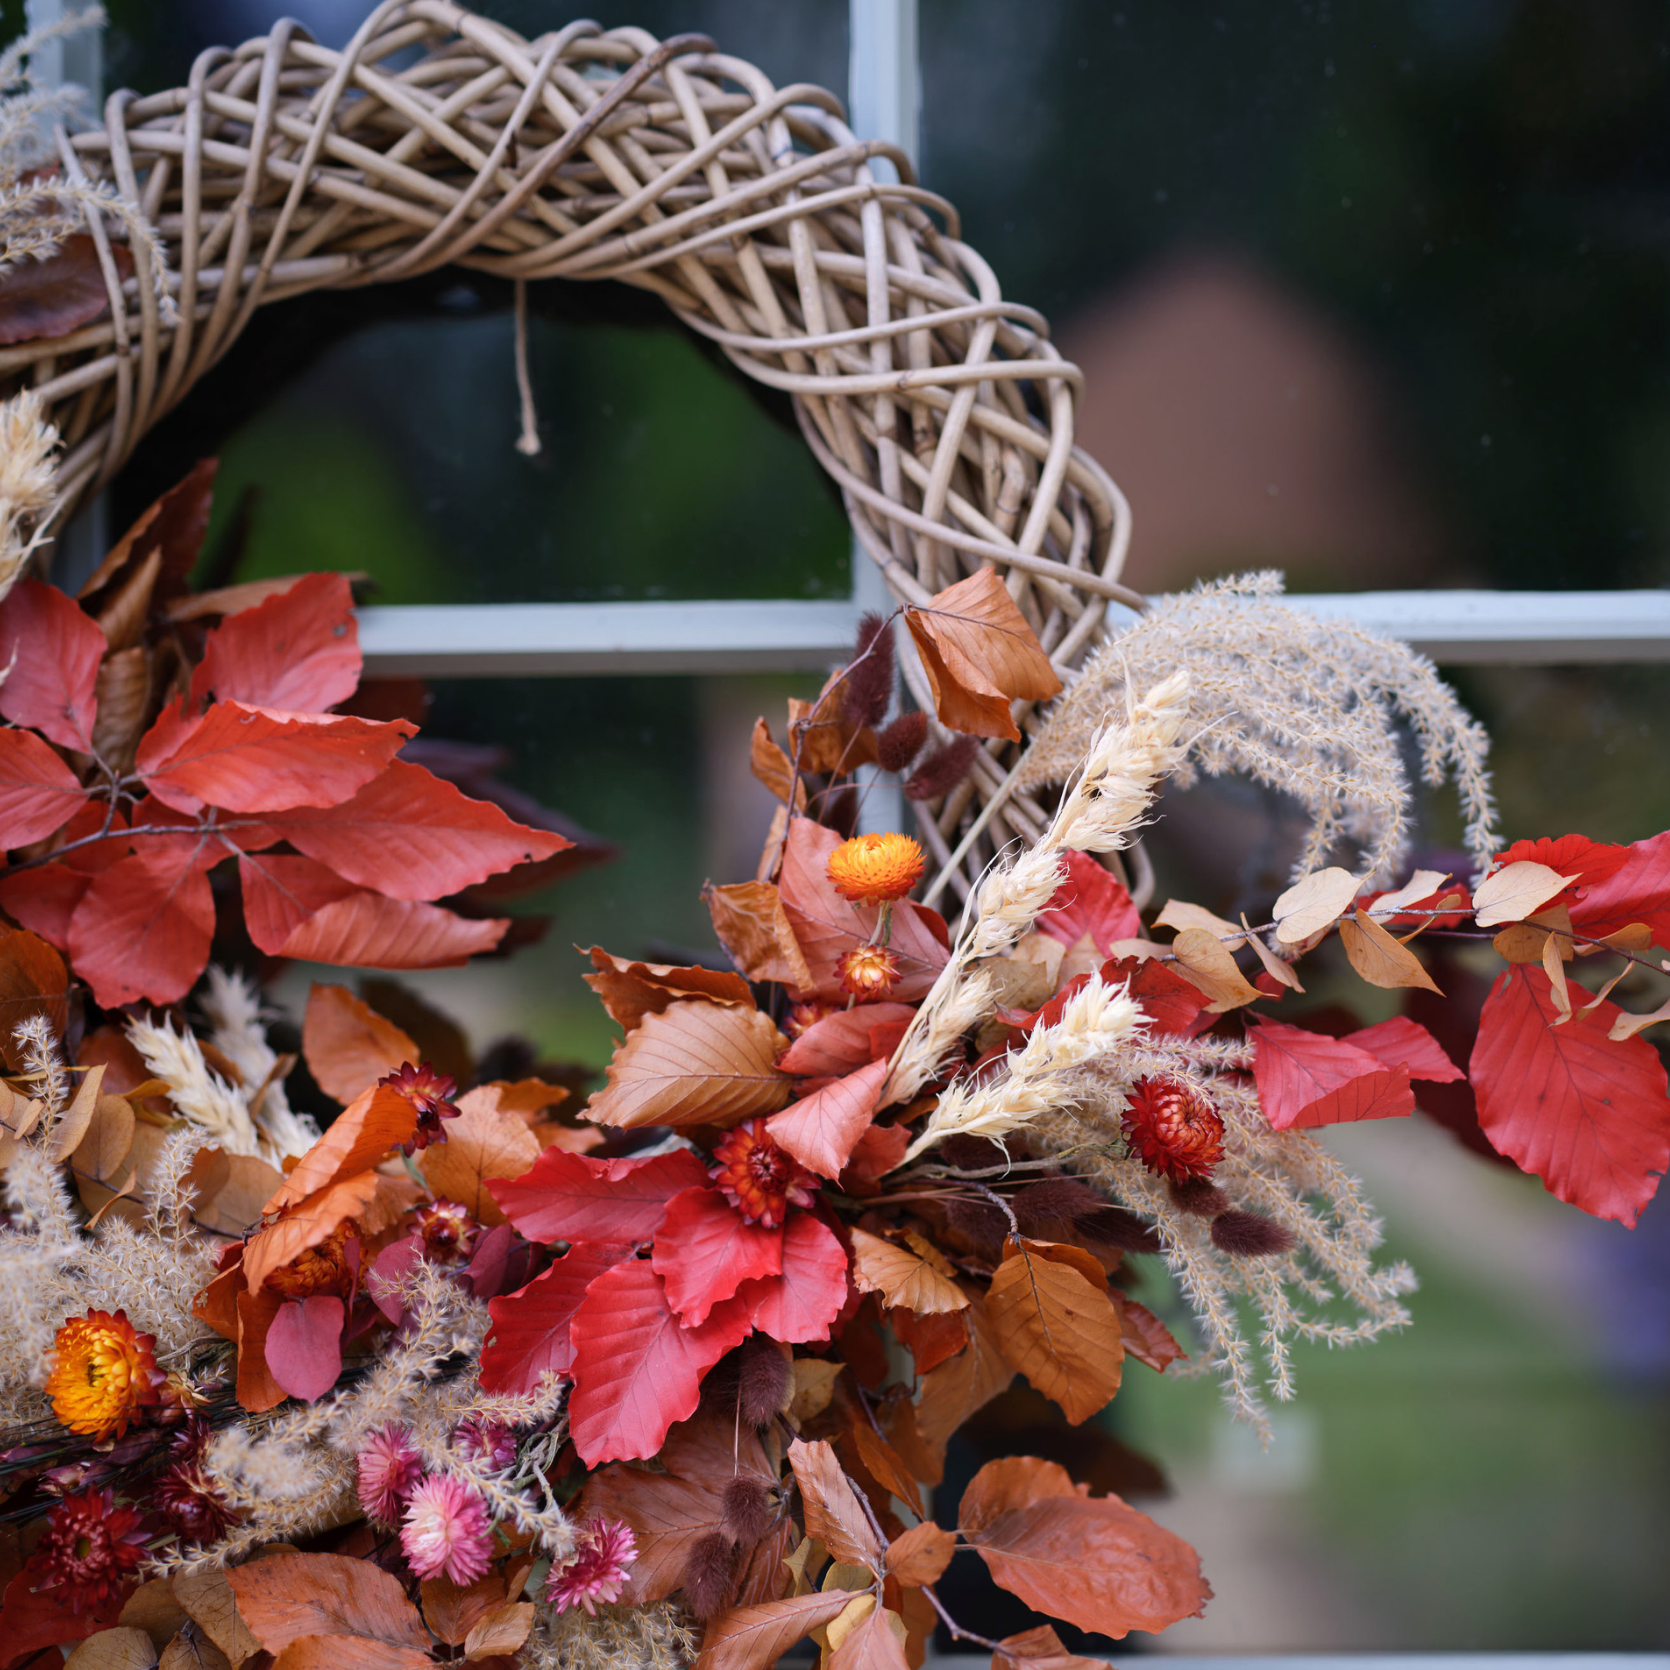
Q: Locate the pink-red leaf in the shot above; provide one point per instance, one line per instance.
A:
(798, 1305)
(1169, 1001)
(54, 651)
(281, 891)
(38, 792)
(847, 1039)
(298, 652)
(530, 1333)
(411, 835)
(1637, 891)
(705, 1249)
(573, 1197)
(144, 926)
(636, 1370)
(1305, 1079)
(249, 759)
(304, 1345)
(822, 1129)
(1586, 1113)
(1090, 902)
(367, 930)
(1401, 1042)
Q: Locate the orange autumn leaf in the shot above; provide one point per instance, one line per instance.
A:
(289, 1596)
(901, 1278)
(452, 1612)
(750, 922)
(630, 990)
(773, 767)
(349, 1652)
(921, 1554)
(483, 1141)
(980, 655)
(955, 1390)
(696, 1063)
(306, 1223)
(1040, 1649)
(377, 1120)
(885, 1465)
(347, 1045)
(1057, 1325)
(831, 1507)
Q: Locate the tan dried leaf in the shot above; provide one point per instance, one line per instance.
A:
(1378, 957)
(1554, 967)
(153, 1608)
(875, 1640)
(773, 767)
(1179, 915)
(503, 1630)
(210, 1603)
(231, 1189)
(832, 1511)
(293, 1596)
(901, 1278)
(1422, 885)
(1279, 971)
(1058, 1328)
(1525, 942)
(191, 1649)
(1314, 903)
(103, 1151)
(73, 1123)
(921, 1554)
(1636, 936)
(752, 925)
(697, 1063)
(1206, 965)
(980, 655)
(482, 1142)
(1627, 1025)
(348, 1045)
(1516, 891)
(812, 1382)
(115, 1649)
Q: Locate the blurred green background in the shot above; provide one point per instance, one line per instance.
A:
(1375, 293)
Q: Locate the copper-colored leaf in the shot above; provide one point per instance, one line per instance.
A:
(873, 1640)
(1040, 1649)
(503, 1630)
(1093, 1561)
(33, 981)
(377, 1120)
(750, 922)
(347, 1045)
(1516, 891)
(153, 1608)
(980, 655)
(191, 1649)
(630, 990)
(821, 1130)
(900, 1277)
(482, 1142)
(230, 1189)
(209, 1601)
(668, 1517)
(1146, 1337)
(1313, 904)
(67, 290)
(1204, 962)
(72, 1124)
(305, 1223)
(1058, 1328)
(921, 1554)
(886, 1466)
(832, 1510)
(955, 1390)
(773, 767)
(349, 1652)
(293, 1595)
(756, 1637)
(1378, 957)
(451, 1612)
(696, 1063)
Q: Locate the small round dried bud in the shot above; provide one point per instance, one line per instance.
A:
(1248, 1235)
(747, 1509)
(1171, 1127)
(902, 740)
(868, 972)
(449, 1230)
(802, 1016)
(762, 1380)
(708, 1580)
(1199, 1198)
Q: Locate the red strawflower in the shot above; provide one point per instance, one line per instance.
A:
(449, 1231)
(186, 1496)
(431, 1094)
(90, 1548)
(604, 1551)
(1171, 1127)
(761, 1180)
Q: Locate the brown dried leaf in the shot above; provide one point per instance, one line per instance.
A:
(348, 1045)
(885, 1465)
(900, 1277)
(1057, 1325)
(756, 1637)
(481, 1143)
(630, 990)
(813, 1381)
(668, 1516)
(503, 1630)
(872, 1639)
(752, 925)
(209, 1601)
(153, 1608)
(1209, 967)
(452, 1612)
(696, 1063)
(191, 1649)
(1313, 904)
(1040, 1649)
(115, 1649)
(773, 767)
(231, 1189)
(921, 1554)
(33, 981)
(1515, 891)
(349, 1652)
(51, 298)
(955, 1390)
(980, 655)
(292, 1596)
(77, 1117)
(1525, 942)
(1378, 957)
(833, 1512)
(123, 690)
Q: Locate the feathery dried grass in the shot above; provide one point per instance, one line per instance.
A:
(28, 455)
(655, 1637)
(1305, 705)
(233, 1008)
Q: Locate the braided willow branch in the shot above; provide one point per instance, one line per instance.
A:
(944, 412)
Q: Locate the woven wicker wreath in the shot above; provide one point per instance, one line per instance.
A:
(944, 412)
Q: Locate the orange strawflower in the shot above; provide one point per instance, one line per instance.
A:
(103, 1373)
(761, 1180)
(871, 869)
(868, 972)
(803, 1016)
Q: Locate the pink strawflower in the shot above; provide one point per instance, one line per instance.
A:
(389, 1466)
(604, 1553)
(446, 1530)
(491, 1443)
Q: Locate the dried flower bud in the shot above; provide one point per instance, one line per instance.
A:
(762, 1380)
(943, 769)
(803, 1016)
(1113, 1226)
(868, 972)
(902, 740)
(983, 1223)
(1048, 1208)
(431, 1094)
(1199, 1198)
(1248, 1235)
(747, 1509)
(867, 691)
(449, 1230)
(708, 1579)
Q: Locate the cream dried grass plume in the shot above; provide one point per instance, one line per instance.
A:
(1306, 705)
(659, 1636)
(28, 453)
(233, 1008)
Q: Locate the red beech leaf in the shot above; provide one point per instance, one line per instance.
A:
(38, 1618)
(1637, 891)
(281, 891)
(54, 651)
(826, 925)
(39, 794)
(60, 294)
(630, 990)
(574, 1197)
(44, 900)
(1091, 1560)
(705, 1249)
(530, 1333)
(798, 1306)
(1170, 1001)
(1587, 862)
(144, 927)
(1401, 1042)
(847, 1039)
(298, 652)
(1305, 1079)
(1585, 1113)
(411, 835)
(756, 1637)
(1090, 902)
(831, 1507)
(287, 1596)
(822, 1130)
(377, 1120)
(636, 1371)
(366, 930)
(250, 759)
(304, 1345)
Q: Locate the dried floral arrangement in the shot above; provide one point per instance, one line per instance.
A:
(489, 1370)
